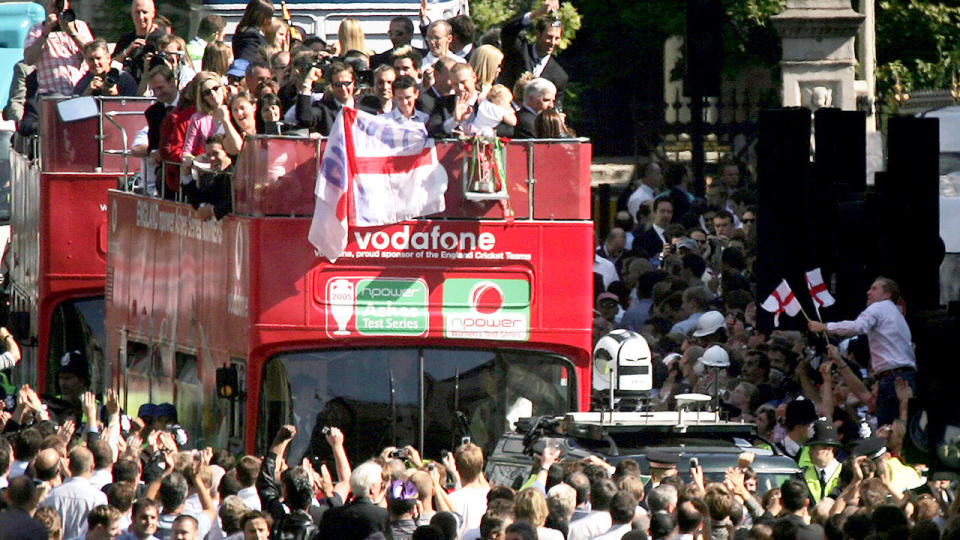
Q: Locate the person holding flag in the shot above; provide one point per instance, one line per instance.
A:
(891, 350)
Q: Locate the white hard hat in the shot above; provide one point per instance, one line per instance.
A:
(709, 323)
(715, 356)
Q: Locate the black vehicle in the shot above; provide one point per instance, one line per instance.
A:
(715, 443)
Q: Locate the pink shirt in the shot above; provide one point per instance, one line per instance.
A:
(199, 127)
(61, 63)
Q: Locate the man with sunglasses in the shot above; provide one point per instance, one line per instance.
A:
(320, 115)
(401, 35)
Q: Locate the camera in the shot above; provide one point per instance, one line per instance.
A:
(160, 58)
(111, 79)
(65, 14)
(325, 430)
(694, 463)
(365, 78)
(400, 453)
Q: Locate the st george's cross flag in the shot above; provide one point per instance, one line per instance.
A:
(781, 300)
(374, 172)
(818, 290)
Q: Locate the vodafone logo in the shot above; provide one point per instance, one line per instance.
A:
(486, 298)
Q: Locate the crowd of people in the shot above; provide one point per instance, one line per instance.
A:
(678, 270)
(274, 79)
(72, 468)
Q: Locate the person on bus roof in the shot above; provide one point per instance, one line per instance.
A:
(249, 36)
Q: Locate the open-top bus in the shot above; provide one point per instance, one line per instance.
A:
(421, 333)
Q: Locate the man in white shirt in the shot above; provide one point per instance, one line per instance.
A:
(622, 509)
(891, 349)
(598, 521)
(76, 497)
(248, 469)
(470, 500)
(144, 525)
(439, 38)
(405, 95)
(650, 185)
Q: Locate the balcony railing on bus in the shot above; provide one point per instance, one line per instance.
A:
(90, 135)
(546, 179)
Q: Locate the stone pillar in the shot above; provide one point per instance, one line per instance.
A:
(818, 53)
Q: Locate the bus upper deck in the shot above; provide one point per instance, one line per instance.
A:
(421, 332)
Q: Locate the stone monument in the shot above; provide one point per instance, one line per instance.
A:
(818, 53)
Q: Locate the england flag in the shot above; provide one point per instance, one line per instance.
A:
(781, 300)
(374, 172)
(818, 290)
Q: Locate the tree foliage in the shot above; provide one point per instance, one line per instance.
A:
(918, 44)
(487, 14)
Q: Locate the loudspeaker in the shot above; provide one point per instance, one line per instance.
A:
(912, 185)
(837, 202)
(783, 235)
(704, 52)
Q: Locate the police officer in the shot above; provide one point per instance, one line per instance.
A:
(822, 475)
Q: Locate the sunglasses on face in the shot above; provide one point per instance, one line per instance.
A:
(211, 90)
(343, 84)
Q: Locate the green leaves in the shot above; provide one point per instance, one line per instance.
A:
(487, 14)
(917, 45)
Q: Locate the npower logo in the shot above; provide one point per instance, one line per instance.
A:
(486, 309)
(486, 298)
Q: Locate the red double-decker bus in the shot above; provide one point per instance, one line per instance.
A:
(58, 246)
(421, 333)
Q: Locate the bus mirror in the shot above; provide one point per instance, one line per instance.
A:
(228, 386)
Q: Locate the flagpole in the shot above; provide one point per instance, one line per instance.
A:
(821, 334)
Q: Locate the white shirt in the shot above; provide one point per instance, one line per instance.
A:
(73, 500)
(419, 117)
(829, 471)
(250, 497)
(606, 269)
(595, 524)
(470, 503)
(641, 195)
(429, 60)
(17, 468)
(889, 335)
(101, 477)
(7, 361)
(659, 230)
(488, 117)
(615, 532)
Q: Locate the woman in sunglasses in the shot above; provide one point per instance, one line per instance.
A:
(209, 118)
